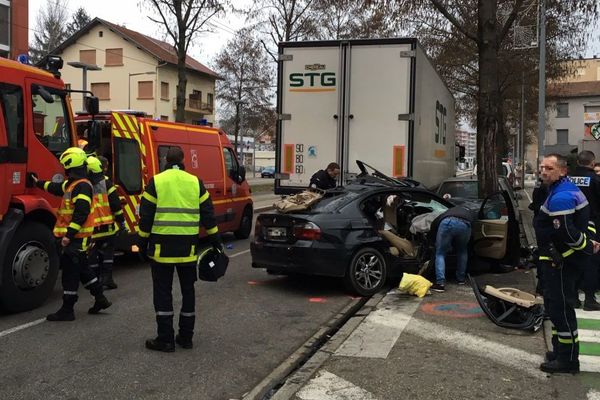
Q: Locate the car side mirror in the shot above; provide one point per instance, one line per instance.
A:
(242, 174)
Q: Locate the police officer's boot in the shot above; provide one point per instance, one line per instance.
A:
(100, 304)
(107, 280)
(556, 366)
(590, 303)
(65, 312)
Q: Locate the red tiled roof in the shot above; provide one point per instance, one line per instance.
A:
(574, 89)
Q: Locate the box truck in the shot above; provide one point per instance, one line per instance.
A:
(380, 101)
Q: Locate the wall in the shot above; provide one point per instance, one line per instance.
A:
(574, 123)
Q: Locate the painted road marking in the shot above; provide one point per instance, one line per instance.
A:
(462, 341)
(588, 335)
(588, 325)
(239, 254)
(21, 327)
(327, 386)
(378, 333)
(455, 309)
(593, 395)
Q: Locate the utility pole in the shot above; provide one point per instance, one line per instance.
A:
(542, 83)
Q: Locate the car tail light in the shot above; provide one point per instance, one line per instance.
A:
(258, 228)
(307, 231)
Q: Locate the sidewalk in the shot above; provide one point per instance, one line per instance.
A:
(437, 347)
(264, 201)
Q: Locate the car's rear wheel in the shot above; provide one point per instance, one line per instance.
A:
(367, 272)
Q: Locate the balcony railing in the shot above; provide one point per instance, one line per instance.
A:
(195, 105)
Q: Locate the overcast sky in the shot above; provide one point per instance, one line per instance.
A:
(129, 14)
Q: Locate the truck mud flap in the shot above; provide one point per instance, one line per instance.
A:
(509, 308)
(11, 221)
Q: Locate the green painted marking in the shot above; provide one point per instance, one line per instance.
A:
(589, 349)
(584, 323)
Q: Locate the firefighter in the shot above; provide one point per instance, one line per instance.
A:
(589, 183)
(564, 250)
(109, 221)
(174, 205)
(74, 227)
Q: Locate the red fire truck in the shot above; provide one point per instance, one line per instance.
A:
(36, 126)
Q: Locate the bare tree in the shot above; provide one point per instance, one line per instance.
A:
(50, 29)
(282, 21)
(471, 41)
(78, 20)
(246, 90)
(183, 20)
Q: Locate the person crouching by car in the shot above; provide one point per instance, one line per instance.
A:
(325, 179)
(452, 229)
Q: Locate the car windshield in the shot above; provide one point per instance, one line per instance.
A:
(463, 189)
(331, 204)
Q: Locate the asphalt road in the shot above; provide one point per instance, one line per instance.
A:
(247, 324)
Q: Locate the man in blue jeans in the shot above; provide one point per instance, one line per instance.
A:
(451, 230)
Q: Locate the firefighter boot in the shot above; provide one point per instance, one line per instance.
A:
(107, 280)
(65, 312)
(101, 303)
(158, 345)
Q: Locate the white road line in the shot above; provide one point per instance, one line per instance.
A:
(378, 333)
(587, 314)
(593, 395)
(20, 327)
(589, 364)
(528, 196)
(327, 386)
(588, 335)
(239, 254)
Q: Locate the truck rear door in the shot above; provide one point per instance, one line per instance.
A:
(378, 106)
(309, 113)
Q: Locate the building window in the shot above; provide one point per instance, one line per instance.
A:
(164, 117)
(209, 100)
(101, 90)
(196, 94)
(100, 33)
(591, 109)
(67, 86)
(562, 136)
(562, 110)
(164, 90)
(114, 57)
(87, 56)
(4, 25)
(145, 90)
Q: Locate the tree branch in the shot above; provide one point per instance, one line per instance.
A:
(440, 7)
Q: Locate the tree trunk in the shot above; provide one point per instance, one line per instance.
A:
(181, 87)
(488, 112)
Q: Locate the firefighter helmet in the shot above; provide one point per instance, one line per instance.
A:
(94, 165)
(73, 157)
(212, 264)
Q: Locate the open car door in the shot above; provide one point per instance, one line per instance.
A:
(496, 231)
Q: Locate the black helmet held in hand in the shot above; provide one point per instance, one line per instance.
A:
(212, 264)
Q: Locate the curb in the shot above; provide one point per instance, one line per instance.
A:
(304, 355)
(298, 379)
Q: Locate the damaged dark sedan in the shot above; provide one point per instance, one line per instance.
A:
(342, 235)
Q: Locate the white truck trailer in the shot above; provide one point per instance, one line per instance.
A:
(379, 101)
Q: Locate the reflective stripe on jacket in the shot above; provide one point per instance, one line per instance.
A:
(64, 214)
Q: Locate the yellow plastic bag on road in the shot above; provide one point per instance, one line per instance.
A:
(414, 284)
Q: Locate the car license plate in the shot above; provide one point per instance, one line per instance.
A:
(276, 233)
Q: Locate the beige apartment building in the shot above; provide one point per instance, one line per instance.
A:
(135, 72)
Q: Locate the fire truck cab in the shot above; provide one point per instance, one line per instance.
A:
(36, 126)
(136, 147)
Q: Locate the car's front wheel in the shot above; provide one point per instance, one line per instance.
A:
(367, 272)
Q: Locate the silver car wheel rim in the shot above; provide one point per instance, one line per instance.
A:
(369, 271)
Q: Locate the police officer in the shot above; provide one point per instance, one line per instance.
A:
(325, 179)
(564, 248)
(109, 221)
(74, 226)
(589, 183)
(174, 205)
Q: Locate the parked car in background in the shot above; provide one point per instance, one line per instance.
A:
(268, 172)
(507, 171)
(339, 236)
(461, 189)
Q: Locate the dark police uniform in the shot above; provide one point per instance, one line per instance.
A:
(322, 180)
(174, 206)
(564, 250)
(589, 183)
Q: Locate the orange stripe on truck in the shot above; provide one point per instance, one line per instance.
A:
(398, 161)
(288, 158)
